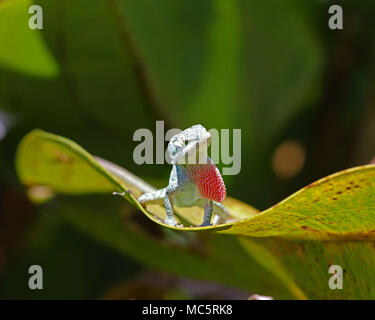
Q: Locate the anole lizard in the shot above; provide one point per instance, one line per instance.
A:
(194, 180)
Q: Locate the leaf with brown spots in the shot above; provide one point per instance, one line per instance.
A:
(331, 221)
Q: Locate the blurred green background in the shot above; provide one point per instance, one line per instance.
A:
(302, 94)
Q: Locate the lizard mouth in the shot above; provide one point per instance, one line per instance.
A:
(190, 154)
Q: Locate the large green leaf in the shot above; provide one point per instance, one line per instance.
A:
(195, 257)
(235, 56)
(329, 222)
(65, 167)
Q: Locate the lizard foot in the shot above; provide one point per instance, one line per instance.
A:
(171, 222)
(205, 224)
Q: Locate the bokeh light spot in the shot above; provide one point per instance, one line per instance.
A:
(288, 159)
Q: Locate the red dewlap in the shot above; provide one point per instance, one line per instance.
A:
(209, 182)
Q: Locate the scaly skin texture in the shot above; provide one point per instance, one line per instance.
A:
(194, 180)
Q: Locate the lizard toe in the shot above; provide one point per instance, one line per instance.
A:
(171, 222)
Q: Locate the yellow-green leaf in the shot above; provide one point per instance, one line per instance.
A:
(23, 49)
(331, 221)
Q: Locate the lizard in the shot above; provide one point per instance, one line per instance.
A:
(194, 179)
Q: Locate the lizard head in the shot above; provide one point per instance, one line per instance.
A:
(185, 146)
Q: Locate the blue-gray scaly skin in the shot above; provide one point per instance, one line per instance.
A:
(184, 148)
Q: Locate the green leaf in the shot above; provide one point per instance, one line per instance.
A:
(105, 222)
(238, 58)
(334, 207)
(24, 49)
(329, 222)
(55, 162)
(89, 55)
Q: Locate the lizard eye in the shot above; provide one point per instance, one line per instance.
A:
(179, 143)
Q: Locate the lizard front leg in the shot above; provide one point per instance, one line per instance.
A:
(169, 210)
(207, 213)
(220, 212)
(155, 197)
